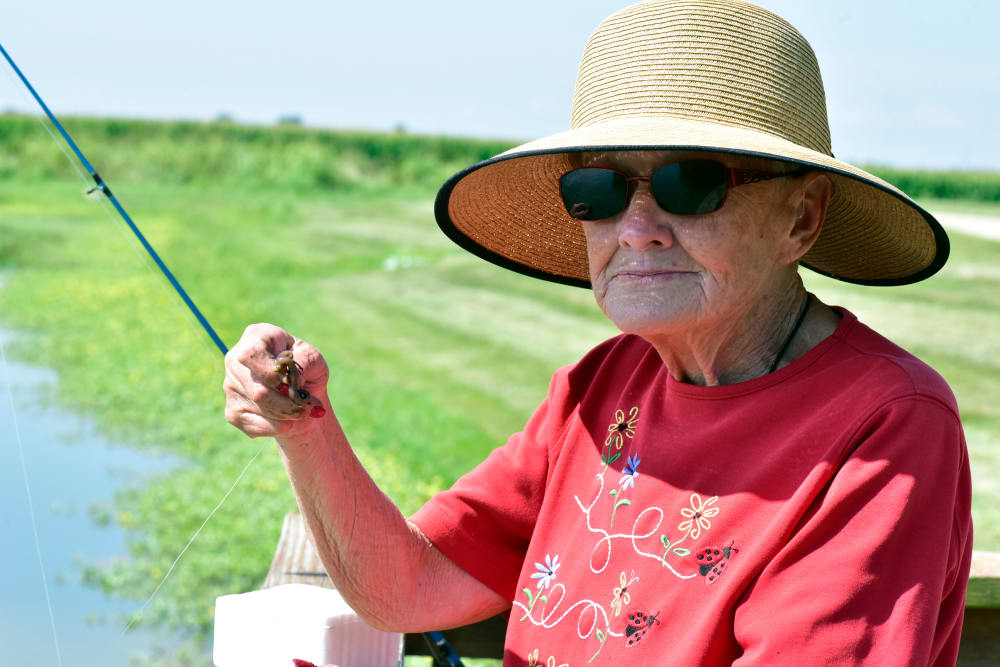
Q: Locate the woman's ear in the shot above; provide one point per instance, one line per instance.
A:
(811, 199)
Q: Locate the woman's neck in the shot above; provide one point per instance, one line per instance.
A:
(769, 333)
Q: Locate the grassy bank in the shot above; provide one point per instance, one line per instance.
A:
(436, 356)
(419, 338)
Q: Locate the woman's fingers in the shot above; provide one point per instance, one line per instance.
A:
(315, 372)
(258, 348)
(257, 401)
(261, 399)
(256, 426)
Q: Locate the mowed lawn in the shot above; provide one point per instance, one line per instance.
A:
(436, 356)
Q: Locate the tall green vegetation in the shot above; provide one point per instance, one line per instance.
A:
(981, 186)
(287, 157)
(292, 157)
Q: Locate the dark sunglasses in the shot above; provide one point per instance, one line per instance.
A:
(691, 187)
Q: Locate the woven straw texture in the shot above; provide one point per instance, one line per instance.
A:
(712, 75)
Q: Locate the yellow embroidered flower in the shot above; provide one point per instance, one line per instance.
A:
(621, 594)
(622, 428)
(698, 515)
(533, 659)
(552, 662)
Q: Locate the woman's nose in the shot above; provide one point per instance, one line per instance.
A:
(644, 224)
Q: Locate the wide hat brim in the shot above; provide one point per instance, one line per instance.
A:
(508, 209)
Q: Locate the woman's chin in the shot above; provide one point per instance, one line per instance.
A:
(648, 314)
(647, 324)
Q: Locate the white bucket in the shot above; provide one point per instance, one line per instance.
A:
(270, 627)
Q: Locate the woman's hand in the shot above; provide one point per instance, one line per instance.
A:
(254, 403)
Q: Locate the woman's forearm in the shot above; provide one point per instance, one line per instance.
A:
(369, 550)
(382, 565)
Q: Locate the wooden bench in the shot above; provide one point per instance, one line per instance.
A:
(296, 562)
(981, 630)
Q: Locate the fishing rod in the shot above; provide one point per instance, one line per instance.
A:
(102, 187)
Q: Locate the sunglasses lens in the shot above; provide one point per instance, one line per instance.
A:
(592, 193)
(690, 188)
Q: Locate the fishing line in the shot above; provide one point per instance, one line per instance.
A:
(31, 504)
(102, 187)
(156, 590)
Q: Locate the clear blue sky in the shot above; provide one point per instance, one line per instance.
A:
(910, 83)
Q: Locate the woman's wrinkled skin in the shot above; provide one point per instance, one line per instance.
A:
(716, 294)
(254, 402)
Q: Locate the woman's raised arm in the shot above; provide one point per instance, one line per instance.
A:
(382, 565)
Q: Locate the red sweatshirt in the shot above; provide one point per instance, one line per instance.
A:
(819, 514)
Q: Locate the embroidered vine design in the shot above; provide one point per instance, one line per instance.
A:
(549, 614)
(546, 606)
(531, 602)
(668, 547)
(601, 638)
(651, 517)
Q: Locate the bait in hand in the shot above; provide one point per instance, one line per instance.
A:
(291, 375)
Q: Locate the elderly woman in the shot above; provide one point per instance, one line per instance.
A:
(746, 475)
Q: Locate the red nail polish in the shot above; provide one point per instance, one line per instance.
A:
(317, 412)
(283, 389)
(302, 663)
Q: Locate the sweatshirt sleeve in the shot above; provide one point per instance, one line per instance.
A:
(875, 572)
(485, 521)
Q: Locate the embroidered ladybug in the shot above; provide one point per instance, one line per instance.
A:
(713, 560)
(639, 623)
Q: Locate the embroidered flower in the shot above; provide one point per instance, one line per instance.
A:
(552, 662)
(533, 659)
(547, 572)
(698, 515)
(622, 428)
(630, 472)
(621, 594)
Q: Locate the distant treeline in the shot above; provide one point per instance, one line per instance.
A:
(231, 154)
(289, 156)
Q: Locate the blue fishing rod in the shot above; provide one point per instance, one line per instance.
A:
(100, 185)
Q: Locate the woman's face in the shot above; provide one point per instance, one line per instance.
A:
(655, 272)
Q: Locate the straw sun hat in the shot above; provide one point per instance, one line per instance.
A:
(709, 75)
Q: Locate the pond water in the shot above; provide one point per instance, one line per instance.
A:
(69, 468)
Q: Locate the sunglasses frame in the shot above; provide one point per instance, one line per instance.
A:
(735, 177)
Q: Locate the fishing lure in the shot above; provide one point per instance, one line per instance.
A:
(291, 384)
(291, 376)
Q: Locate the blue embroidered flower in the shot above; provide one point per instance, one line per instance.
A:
(630, 472)
(547, 572)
